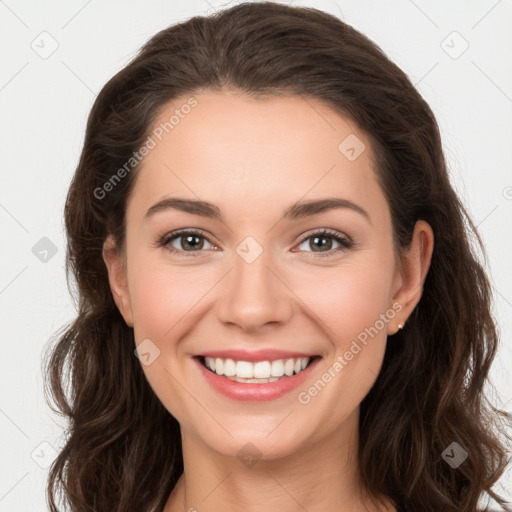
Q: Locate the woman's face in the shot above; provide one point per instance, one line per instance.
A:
(251, 279)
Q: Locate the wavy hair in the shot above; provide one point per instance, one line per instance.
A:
(123, 448)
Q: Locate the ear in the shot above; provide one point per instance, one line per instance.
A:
(117, 276)
(414, 265)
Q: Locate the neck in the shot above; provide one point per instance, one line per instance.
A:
(319, 476)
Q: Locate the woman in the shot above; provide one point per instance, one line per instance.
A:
(226, 355)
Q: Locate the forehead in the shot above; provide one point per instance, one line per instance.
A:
(235, 149)
(235, 121)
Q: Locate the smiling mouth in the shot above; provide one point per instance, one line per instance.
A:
(259, 372)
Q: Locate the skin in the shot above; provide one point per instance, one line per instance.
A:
(253, 158)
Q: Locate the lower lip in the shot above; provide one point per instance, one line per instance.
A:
(256, 392)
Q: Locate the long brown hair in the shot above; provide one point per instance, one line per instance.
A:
(123, 448)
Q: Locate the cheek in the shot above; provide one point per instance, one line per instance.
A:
(352, 309)
(165, 302)
(347, 300)
(164, 295)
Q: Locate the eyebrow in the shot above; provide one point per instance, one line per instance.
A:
(297, 210)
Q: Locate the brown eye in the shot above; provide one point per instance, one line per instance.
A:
(184, 242)
(324, 240)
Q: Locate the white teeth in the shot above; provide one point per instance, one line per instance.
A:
(288, 367)
(277, 368)
(244, 370)
(261, 371)
(229, 368)
(254, 381)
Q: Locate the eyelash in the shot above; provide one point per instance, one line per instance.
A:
(345, 243)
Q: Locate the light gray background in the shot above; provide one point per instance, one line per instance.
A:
(45, 103)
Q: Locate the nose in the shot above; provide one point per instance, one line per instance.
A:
(254, 295)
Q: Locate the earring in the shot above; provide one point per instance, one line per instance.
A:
(400, 327)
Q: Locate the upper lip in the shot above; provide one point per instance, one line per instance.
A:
(254, 355)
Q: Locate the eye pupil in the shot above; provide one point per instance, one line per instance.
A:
(317, 238)
(191, 237)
